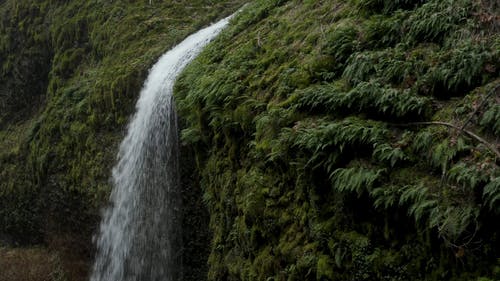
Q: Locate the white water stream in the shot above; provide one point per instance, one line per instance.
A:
(140, 237)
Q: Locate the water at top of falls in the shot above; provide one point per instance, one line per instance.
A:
(140, 234)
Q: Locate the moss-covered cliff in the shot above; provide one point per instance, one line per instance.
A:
(350, 140)
(70, 72)
(333, 140)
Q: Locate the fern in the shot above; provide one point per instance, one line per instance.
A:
(491, 195)
(419, 200)
(444, 152)
(387, 6)
(365, 97)
(323, 134)
(491, 119)
(456, 70)
(381, 31)
(446, 73)
(355, 179)
(360, 67)
(191, 136)
(436, 18)
(453, 221)
(320, 98)
(422, 143)
(385, 197)
(386, 153)
(339, 46)
(467, 176)
(399, 103)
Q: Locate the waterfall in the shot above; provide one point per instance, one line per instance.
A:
(140, 234)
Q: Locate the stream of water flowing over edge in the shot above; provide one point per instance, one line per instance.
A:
(140, 237)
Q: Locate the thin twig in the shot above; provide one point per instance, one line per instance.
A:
(471, 134)
(480, 106)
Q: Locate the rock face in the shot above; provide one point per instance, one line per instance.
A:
(328, 137)
(71, 72)
(321, 136)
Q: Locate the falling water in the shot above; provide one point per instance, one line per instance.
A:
(140, 235)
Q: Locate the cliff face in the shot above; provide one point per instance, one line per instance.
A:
(70, 74)
(326, 135)
(330, 145)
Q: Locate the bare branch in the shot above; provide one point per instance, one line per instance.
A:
(490, 146)
(494, 90)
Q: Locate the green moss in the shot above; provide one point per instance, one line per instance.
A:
(324, 268)
(70, 74)
(303, 118)
(307, 138)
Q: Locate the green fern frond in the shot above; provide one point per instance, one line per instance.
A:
(418, 199)
(365, 97)
(413, 193)
(382, 31)
(422, 142)
(385, 197)
(360, 67)
(453, 221)
(320, 135)
(339, 45)
(420, 209)
(467, 176)
(386, 153)
(191, 135)
(386, 6)
(436, 18)
(491, 119)
(355, 179)
(444, 152)
(491, 195)
(457, 69)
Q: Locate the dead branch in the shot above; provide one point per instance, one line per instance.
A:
(494, 90)
(490, 146)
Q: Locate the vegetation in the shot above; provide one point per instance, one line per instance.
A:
(332, 140)
(350, 140)
(70, 72)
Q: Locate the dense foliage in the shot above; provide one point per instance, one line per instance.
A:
(70, 72)
(334, 140)
(350, 140)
